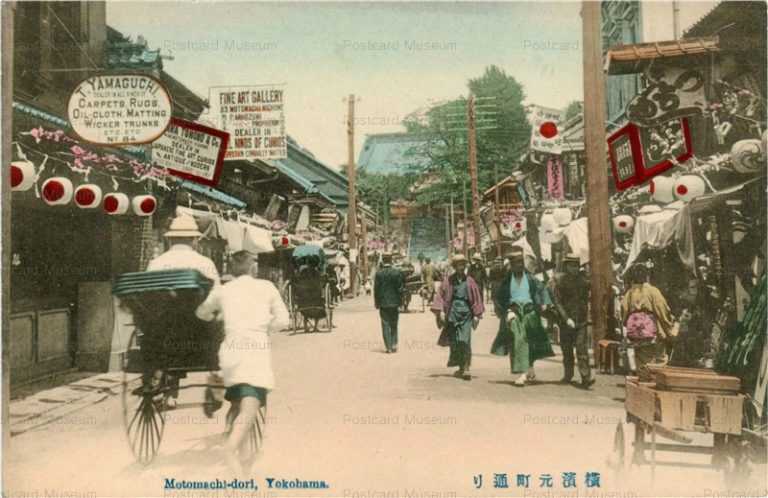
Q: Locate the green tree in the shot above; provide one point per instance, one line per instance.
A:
(503, 132)
(573, 108)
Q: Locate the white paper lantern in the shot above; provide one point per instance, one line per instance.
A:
(623, 223)
(22, 175)
(88, 196)
(116, 203)
(662, 189)
(562, 216)
(747, 156)
(144, 205)
(689, 187)
(547, 223)
(57, 191)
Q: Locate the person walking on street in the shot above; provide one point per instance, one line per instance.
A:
(428, 278)
(458, 308)
(571, 297)
(387, 294)
(520, 299)
(250, 308)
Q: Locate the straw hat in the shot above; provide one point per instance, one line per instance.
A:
(183, 226)
(477, 257)
(458, 258)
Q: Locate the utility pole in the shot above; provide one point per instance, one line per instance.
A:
(352, 194)
(472, 143)
(7, 16)
(364, 246)
(448, 238)
(464, 215)
(600, 232)
(453, 225)
(496, 217)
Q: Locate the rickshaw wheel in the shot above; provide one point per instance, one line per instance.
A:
(328, 308)
(142, 409)
(255, 440)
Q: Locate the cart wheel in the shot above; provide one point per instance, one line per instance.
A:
(328, 308)
(142, 410)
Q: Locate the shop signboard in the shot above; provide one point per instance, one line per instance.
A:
(254, 117)
(191, 151)
(638, 154)
(119, 109)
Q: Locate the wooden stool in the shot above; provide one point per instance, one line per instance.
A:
(608, 356)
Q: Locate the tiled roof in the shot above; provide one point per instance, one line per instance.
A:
(390, 153)
(312, 175)
(122, 53)
(744, 15)
(626, 59)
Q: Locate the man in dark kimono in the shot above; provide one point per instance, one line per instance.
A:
(497, 274)
(458, 308)
(520, 299)
(571, 296)
(387, 293)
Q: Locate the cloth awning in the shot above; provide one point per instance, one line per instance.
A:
(257, 240)
(659, 230)
(216, 195)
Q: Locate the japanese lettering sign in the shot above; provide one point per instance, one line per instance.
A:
(191, 151)
(638, 154)
(672, 92)
(254, 117)
(119, 109)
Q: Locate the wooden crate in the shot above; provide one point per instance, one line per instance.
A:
(701, 381)
(678, 410)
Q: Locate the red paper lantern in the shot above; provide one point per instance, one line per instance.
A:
(22, 175)
(57, 191)
(116, 203)
(88, 196)
(144, 205)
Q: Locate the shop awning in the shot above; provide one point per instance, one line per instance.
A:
(659, 230)
(216, 195)
(628, 59)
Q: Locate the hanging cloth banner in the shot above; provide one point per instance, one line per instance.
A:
(555, 178)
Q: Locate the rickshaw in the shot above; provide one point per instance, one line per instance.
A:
(168, 342)
(309, 292)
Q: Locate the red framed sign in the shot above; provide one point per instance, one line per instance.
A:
(638, 154)
(625, 154)
(191, 151)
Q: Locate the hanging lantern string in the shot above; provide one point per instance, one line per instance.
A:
(149, 171)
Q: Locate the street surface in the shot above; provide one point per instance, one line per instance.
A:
(370, 425)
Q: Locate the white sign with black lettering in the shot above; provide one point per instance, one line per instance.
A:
(192, 151)
(119, 109)
(254, 117)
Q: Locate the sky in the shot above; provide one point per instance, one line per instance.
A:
(395, 57)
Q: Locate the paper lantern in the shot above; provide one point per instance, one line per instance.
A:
(22, 175)
(662, 189)
(547, 223)
(623, 223)
(518, 225)
(562, 216)
(747, 156)
(689, 187)
(116, 203)
(144, 205)
(57, 191)
(88, 196)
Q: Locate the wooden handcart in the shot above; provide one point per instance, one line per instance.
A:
(678, 403)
